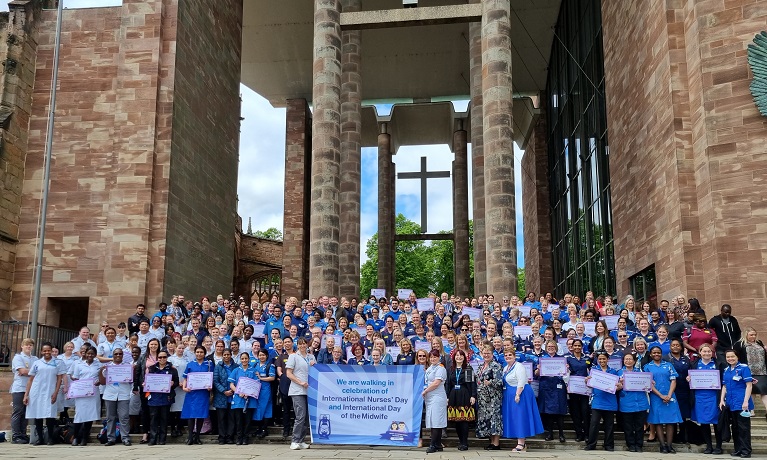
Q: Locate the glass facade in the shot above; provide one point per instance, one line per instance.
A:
(579, 176)
(643, 285)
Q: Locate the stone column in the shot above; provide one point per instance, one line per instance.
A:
(326, 155)
(393, 213)
(477, 158)
(295, 230)
(351, 138)
(460, 212)
(498, 148)
(385, 204)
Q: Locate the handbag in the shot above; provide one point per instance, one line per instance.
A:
(461, 413)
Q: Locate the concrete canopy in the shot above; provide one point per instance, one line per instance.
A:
(418, 62)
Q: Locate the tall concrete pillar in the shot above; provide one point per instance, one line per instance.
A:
(385, 205)
(460, 213)
(477, 158)
(295, 231)
(326, 155)
(351, 138)
(498, 148)
(393, 208)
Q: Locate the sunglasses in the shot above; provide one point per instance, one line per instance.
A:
(162, 357)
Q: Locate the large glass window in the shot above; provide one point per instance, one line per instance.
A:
(581, 216)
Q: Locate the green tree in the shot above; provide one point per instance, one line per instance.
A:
(270, 233)
(521, 282)
(420, 266)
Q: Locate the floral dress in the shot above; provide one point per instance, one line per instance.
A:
(489, 399)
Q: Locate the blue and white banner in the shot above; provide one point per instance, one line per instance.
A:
(367, 405)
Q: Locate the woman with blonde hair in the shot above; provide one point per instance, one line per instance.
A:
(751, 351)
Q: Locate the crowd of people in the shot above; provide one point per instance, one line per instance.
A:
(483, 361)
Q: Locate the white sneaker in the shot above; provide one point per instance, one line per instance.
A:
(304, 445)
(295, 446)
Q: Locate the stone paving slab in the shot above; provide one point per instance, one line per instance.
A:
(264, 451)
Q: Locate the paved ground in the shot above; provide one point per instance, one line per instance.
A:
(211, 451)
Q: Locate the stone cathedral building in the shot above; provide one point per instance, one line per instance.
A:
(644, 151)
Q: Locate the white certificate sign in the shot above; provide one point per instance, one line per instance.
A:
(393, 351)
(338, 340)
(378, 293)
(529, 369)
(426, 346)
(704, 379)
(615, 363)
(474, 313)
(158, 383)
(258, 330)
(476, 363)
(425, 304)
(589, 328)
(362, 331)
(524, 311)
(637, 381)
(122, 373)
(603, 381)
(523, 331)
(611, 321)
(404, 294)
(82, 388)
(577, 385)
(199, 380)
(552, 367)
(248, 387)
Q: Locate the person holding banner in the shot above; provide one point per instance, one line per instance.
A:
(490, 398)
(266, 373)
(462, 395)
(358, 358)
(160, 401)
(435, 399)
(42, 392)
(552, 395)
(664, 408)
(705, 411)
(222, 398)
(633, 406)
(87, 408)
(604, 404)
(196, 403)
(243, 405)
(117, 398)
(521, 418)
(737, 383)
(297, 371)
(578, 365)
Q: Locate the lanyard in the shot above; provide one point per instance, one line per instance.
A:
(458, 375)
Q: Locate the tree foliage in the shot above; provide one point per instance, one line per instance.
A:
(521, 283)
(270, 233)
(422, 266)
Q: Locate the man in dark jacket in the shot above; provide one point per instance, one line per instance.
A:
(727, 331)
(135, 320)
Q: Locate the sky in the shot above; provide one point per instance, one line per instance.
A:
(262, 169)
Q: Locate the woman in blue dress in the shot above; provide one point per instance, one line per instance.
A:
(682, 366)
(521, 418)
(737, 383)
(242, 406)
(578, 364)
(664, 409)
(633, 406)
(604, 405)
(705, 411)
(196, 403)
(265, 372)
(552, 398)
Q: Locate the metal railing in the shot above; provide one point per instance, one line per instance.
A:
(13, 332)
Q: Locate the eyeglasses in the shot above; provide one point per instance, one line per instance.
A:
(463, 329)
(622, 336)
(487, 313)
(162, 357)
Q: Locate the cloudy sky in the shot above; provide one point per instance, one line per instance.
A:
(262, 169)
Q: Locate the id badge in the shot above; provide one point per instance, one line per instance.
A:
(737, 378)
(559, 386)
(458, 387)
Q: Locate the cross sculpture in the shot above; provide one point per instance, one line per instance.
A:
(423, 175)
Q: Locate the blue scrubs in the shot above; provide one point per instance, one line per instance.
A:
(706, 408)
(661, 412)
(264, 402)
(238, 402)
(196, 402)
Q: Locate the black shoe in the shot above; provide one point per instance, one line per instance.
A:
(580, 439)
(745, 455)
(20, 441)
(589, 447)
(493, 447)
(197, 438)
(50, 442)
(632, 449)
(735, 454)
(562, 438)
(239, 442)
(110, 443)
(610, 449)
(671, 449)
(127, 443)
(230, 441)
(161, 443)
(151, 443)
(717, 451)
(708, 451)
(463, 447)
(431, 450)
(190, 439)
(549, 436)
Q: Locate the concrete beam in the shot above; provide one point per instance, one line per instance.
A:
(423, 237)
(407, 17)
